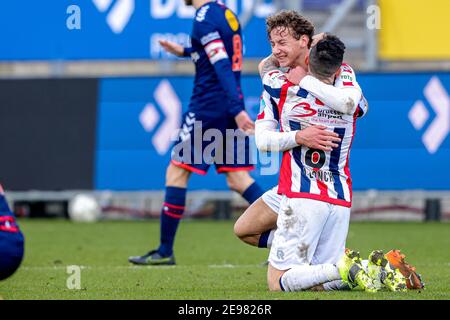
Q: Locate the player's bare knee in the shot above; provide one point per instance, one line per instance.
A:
(176, 176)
(274, 283)
(241, 226)
(274, 287)
(273, 278)
(238, 229)
(232, 182)
(239, 180)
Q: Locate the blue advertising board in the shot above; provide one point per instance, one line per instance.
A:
(110, 29)
(402, 143)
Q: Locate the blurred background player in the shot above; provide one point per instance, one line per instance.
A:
(216, 103)
(11, 240)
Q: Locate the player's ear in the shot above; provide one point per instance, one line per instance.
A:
(304, 40)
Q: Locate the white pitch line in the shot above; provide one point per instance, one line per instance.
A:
(212, 266)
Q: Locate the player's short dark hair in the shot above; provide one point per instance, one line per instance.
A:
(291, 20)
(326, 56)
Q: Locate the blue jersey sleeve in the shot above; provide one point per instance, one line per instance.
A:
(217, 54)
(187, 51)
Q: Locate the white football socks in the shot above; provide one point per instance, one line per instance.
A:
(335, 285)
(306, 276)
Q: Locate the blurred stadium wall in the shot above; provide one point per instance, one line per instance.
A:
(88, 99)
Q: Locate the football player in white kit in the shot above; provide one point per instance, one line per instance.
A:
(257, 224)
(315, 185)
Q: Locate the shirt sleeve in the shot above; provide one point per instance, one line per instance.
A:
(344, 96)
(214, 47)
(187, 51)
(267, 135)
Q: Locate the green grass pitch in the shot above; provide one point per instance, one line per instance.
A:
(211, 262)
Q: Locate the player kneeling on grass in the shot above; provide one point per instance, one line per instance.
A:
(313, 243)
(315, 185)
(11, 240)
(308, 246)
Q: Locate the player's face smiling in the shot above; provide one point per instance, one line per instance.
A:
(285, 48)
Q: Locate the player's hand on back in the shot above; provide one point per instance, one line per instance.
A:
(316, 38)
(316, 137)
(244, 122)
(295, 75)
(172, 47)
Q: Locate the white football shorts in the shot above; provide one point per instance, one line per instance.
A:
(308, 232)
(272, 199)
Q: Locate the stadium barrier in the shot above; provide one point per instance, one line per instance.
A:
(113, 134)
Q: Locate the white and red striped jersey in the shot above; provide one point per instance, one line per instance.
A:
(305, 172)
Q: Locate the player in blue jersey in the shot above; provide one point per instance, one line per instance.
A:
(11, 240)
(216, 105)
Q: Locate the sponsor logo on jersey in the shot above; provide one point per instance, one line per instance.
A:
(329, 114)
(210, 37)
(232, 21)
(202, 14)
(305, 107)
(346, 77)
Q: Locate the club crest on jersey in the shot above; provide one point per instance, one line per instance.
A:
(195, 56)
(8, 224)
(232, 21)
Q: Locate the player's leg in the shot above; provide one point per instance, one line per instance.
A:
(305, 277)
(11, 240)
(236, 164)
(186, 158)
(257, 225)
(173, 207)
(235, 160)
(331, 246)
(299, 225)
(239, 180)
(172, 211)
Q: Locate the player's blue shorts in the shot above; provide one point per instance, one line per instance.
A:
(204, 141)
(11, 246)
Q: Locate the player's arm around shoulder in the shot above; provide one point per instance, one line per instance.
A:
(343, 96)
(270, 73)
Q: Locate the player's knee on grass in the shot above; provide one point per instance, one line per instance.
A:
(242, 232)
(176, 176)
(244, 228)
(273, 278)
(239, 181)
